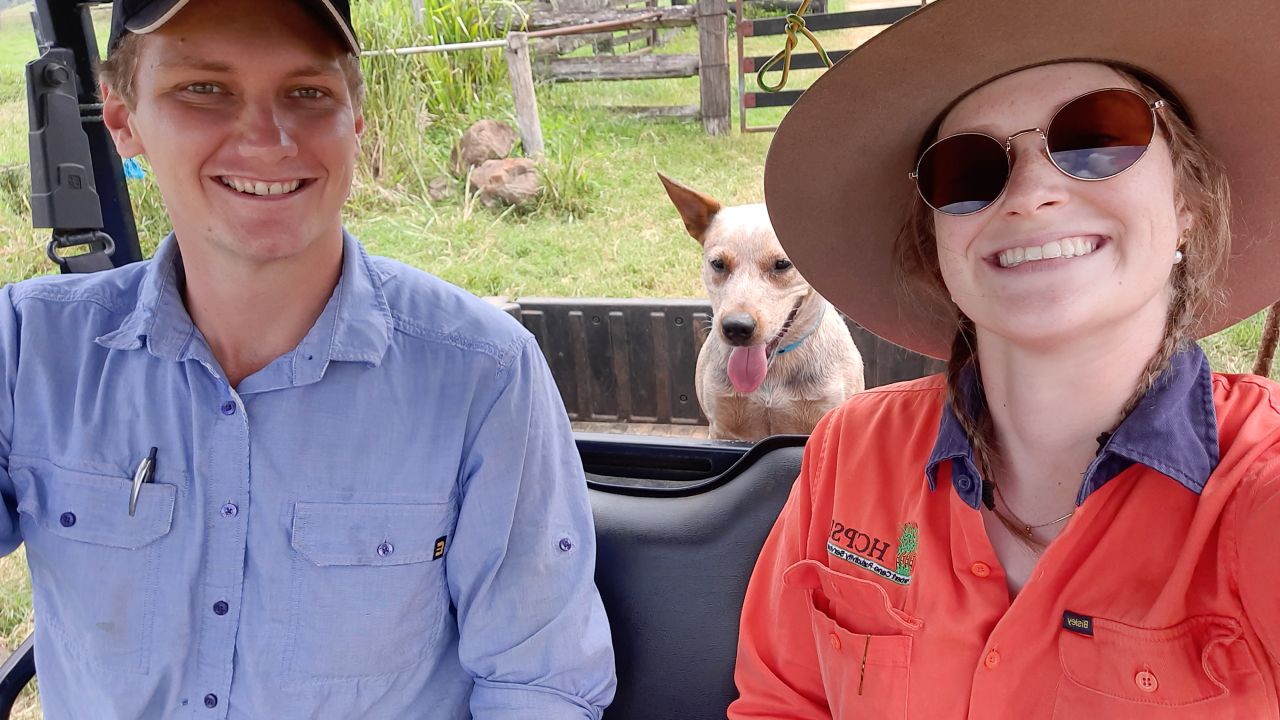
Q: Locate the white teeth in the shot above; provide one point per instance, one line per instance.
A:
(1064, 248)
(252, 187)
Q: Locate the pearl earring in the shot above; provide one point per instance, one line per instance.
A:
(1177, 256)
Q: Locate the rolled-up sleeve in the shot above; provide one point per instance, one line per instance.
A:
(533, 631)
(1255, 571)
(777, 671)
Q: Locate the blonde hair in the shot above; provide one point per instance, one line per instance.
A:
(1201, 188)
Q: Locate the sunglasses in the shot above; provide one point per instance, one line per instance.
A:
(1095, 136)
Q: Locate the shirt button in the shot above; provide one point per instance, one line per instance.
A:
(220, 607)
(991, 660)
(835, 641)
(229, 407)
(980, 569)
(67, 519)
(1146, 681)
(566, 544)
(211, 701)
(230, 510)
(386, 549)
(965, 483)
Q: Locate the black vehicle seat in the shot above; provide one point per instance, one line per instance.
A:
(672, 569)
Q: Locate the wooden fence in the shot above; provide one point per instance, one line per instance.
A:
(710, 65)
(749, 65)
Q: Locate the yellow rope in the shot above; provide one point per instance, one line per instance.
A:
(795, 24)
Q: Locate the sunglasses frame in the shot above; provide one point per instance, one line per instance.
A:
(1152, 106)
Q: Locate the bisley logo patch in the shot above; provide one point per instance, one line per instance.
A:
(1077, 623)
(872, 553)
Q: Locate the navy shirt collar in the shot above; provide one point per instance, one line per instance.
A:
(1173, 430)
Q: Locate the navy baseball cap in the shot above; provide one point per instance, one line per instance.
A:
(144, 16)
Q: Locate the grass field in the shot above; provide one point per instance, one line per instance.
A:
(607, 228)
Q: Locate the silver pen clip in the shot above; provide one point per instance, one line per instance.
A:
(143, 474)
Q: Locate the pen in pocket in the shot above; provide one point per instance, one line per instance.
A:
(146, 469)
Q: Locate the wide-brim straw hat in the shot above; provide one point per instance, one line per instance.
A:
(836, 180)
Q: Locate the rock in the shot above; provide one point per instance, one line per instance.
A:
(485, 140)
(513, 181)
(441, 188)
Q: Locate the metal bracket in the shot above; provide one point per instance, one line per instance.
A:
(102, 247)
(64, 196)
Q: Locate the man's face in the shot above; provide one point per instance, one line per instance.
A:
(244, 113)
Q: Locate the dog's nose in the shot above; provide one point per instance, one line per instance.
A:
(738, 328)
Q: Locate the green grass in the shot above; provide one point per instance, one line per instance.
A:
(604, 228)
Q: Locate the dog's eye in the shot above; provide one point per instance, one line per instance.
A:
(717, 264)
(783, 264)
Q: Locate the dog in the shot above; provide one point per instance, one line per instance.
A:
(777, 356)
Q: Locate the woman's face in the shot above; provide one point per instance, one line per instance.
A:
(1132, 222)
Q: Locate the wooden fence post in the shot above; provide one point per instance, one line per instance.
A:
(520, 68)
(713, 68)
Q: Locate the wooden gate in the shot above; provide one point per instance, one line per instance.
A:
(749, 65)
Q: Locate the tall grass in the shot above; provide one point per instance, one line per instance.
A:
(417, 103)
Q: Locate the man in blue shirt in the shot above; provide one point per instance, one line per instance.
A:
(365, 500)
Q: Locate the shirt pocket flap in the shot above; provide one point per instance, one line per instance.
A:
(857, 604)
(95, 508)
(1161, 666)
(378, 534)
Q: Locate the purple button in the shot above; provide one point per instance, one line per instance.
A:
(67, 519)
(230, 510)
(566, 544)
(386, 549)
(221, 607)
(211, 701)
(229, 407)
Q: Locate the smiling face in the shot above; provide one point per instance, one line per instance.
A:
(247, 120)
(1055, 258)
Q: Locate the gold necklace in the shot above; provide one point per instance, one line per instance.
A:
(1017, 524)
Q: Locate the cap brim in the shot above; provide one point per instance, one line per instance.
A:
(156, 14)
(836, 179)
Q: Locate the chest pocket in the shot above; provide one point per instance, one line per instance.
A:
(1198, 668)
(94, 567)
(864, 651)
(368, 598)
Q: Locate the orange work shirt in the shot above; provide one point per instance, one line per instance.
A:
(878, 596)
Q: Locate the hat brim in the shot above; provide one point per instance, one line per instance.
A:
(154, 15)
(838, 203)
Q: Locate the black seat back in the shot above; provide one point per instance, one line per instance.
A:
(672, 568)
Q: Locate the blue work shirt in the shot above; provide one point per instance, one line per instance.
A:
(389, 521)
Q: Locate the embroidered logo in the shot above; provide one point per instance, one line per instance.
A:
(870, 553)
(908, 545)
(439, 549)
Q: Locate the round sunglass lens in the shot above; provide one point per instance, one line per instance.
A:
(962, 174)
(1101, 134)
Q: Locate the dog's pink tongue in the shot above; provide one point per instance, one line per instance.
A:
(747, 368)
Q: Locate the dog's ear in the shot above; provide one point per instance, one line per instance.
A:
(696, 209)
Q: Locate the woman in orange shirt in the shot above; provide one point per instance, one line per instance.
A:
(1076, 520)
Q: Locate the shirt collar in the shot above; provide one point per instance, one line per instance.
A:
(1173, 430)
(355, 325)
